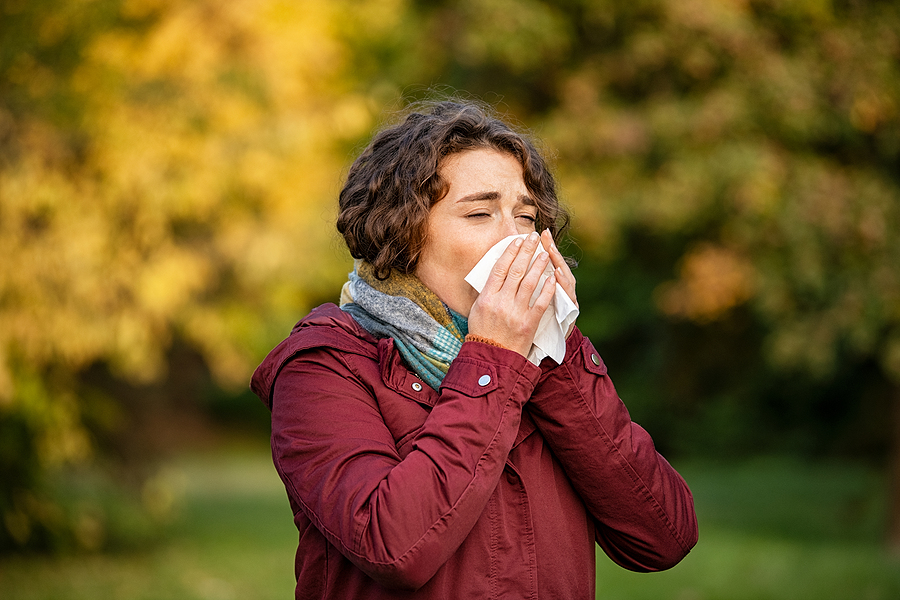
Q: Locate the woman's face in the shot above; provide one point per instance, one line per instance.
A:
(487, 201)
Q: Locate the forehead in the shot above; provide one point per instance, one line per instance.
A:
(481, 167)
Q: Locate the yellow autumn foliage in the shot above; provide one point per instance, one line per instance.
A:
(210, 151)
(713, 281)
(184, 190)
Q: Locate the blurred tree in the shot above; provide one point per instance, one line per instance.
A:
(735, 163)
(168, 171)
(761, 142)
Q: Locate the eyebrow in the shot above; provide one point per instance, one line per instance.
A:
(492, 196)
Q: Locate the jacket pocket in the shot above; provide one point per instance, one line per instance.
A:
(591, 358)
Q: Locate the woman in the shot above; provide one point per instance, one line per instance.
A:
(424, 456)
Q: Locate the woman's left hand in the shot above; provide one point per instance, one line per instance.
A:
(564, 275)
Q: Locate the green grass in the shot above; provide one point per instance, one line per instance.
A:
(775, 529)
(231, 538)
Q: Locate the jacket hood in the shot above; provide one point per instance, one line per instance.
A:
(326, 326)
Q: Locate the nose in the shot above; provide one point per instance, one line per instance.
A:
(508, 227)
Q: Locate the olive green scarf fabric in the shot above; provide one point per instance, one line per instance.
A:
(426, 332)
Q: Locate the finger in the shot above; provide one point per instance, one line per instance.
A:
(532, 278)
(568, 286)
(546, 296)
(556, 256)
(563, 272)
(547, 240)
(520, 264)
(498, 272)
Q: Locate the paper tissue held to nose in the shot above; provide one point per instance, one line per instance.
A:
(550, 338)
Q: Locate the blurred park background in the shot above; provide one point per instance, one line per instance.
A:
(168, 180)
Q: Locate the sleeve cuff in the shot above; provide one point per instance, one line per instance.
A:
(502, 358)
(573, 345)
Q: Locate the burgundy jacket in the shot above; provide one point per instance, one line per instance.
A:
(496, 486)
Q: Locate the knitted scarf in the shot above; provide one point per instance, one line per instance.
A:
(426, 332)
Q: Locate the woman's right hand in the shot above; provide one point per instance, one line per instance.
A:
(501, 312)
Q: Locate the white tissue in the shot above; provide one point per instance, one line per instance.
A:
(550, 338)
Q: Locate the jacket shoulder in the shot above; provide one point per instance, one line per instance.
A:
(326, 326)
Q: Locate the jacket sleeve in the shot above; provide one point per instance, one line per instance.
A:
(397, 518)
(643, 508)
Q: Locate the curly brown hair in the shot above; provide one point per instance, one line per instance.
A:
(391, 187)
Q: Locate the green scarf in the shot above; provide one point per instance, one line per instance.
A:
(426, 332)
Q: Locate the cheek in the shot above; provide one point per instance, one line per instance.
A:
(458, 254)
(455, 255)
(476, 247)
(475, 253)
(475, 250)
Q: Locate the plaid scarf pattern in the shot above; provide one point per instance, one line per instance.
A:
(426, 332)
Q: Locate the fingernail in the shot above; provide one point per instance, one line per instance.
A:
(517, 242)
(533, 236)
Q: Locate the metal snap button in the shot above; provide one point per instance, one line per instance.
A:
(484, 380)
(595, 359)
(417, 386)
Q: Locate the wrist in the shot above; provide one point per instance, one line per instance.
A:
(471, 337)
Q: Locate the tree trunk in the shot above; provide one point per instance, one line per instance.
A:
(893, 508)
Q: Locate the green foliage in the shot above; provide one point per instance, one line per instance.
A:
(755, 141)
(732, 169)
(168, 170)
